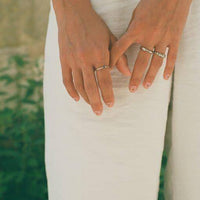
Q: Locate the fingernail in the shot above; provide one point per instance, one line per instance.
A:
(167, 76)
(133, 88)
(147, 85)
(110, 104)
(76, 99)
(97, 112)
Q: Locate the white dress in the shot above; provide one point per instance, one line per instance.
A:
(117, 156)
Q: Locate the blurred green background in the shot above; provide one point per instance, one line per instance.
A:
(23, 25)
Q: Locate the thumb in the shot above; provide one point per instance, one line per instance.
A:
(122, 63)
(120, 47)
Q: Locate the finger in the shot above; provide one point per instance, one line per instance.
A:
(92, 90)
(120, 47)
(67, 75)
(122, 64)
(155, 65)
(69, 85)
(79, 84)
(105, 85)
(140, 66)
(171, 60)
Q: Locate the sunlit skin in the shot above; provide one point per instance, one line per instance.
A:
(155, 24)
(86, 43)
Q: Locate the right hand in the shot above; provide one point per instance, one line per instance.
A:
(84, 42)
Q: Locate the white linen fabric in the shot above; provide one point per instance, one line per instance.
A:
(117, 156)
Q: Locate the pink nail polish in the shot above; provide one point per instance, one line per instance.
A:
(76, 99)
(133, 88)
(167, 76)
(147, 85)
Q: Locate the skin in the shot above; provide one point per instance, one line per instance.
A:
(84, 44)
(87, 43)
(155, 24)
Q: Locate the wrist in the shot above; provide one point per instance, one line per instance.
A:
(63, 7)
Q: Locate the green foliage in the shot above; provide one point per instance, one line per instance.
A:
(22, 171)
(162, 173)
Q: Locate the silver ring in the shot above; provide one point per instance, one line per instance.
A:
(102, 67)
(146, 50)
(162, 55)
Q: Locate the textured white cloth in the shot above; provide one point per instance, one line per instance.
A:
(117, 156)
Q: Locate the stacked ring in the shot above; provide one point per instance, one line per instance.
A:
(146, 50)
(162, 55)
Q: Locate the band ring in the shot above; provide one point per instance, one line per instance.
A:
(146, 50)
(162, 55)
(102, 67)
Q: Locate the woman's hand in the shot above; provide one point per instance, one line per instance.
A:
(155, 24)
(84, 41)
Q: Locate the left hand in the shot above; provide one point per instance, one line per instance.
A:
(155, 25)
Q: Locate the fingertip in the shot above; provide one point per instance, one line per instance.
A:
(166, 76)
(132, 88)
(98, 112)
(98, 109)
(76, 98)
(110, 104)
(146, 85)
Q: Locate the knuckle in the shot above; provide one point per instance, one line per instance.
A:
(80, 52)
(103, 47)
(99, 53)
